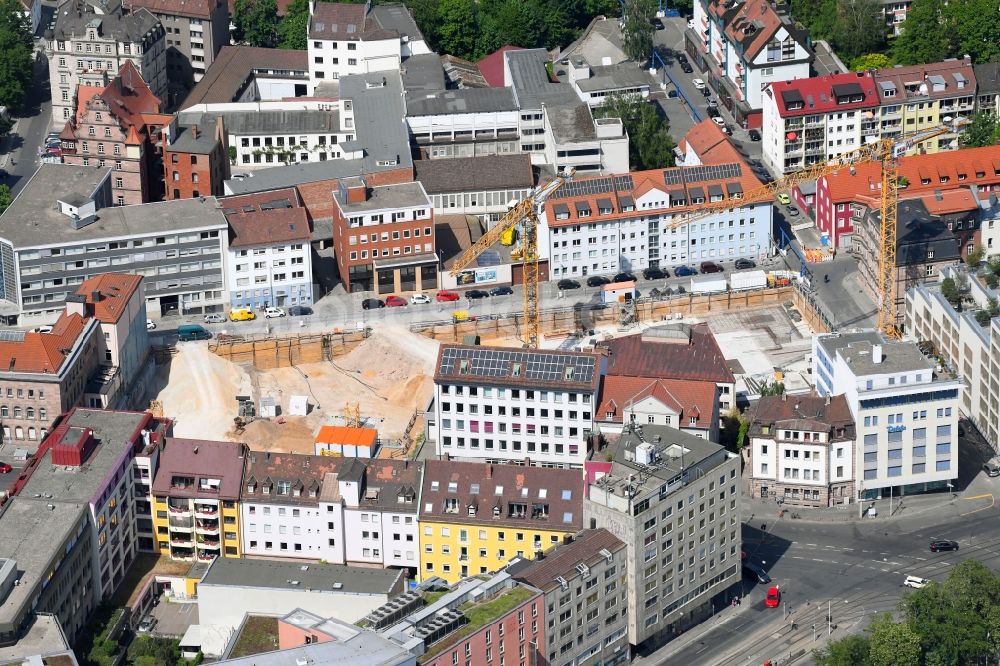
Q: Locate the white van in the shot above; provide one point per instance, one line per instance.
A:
(915, 582)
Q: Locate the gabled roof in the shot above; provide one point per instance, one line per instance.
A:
(949, 202)
(823, 94)
(491, 66)
(42, 353)
(269, 227)
(671, 351)
(949, 78)
(329, 434)
(562, 561)
(816, 413)
(750, 25)
(685, 397)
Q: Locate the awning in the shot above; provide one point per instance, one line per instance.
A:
(406, 260)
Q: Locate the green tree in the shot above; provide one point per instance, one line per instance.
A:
(255, 23)
(870, 61)
(848, 651)
(925, 34)
(772, 388)
(458, 30)
(950, 291)
(637, 31)
(6, 125)
(860, 28)
(982, 131)
(5, 198)
(650, 143)
(16, 46)
(975, 257)
(972, 33)
(893, 643)
(510, 22)
(819, 16)
(294, 25)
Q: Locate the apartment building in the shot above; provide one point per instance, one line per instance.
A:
(349, 39)
(674, 500)
(196, 493)
(813, 120)
(195, 32)
(384, 237)
(920, 97)
(802, 450)
(476, 517)
(987, 86)
(905, 411)
(62, 230)
(627, 222)
(145, 465)
(482, 186)
(269, 260)
(91, 40)
(195, 156)
(963, 343)
(503, 405)
(586, 576)
(743, 46)
(108, 130)
(895, 14)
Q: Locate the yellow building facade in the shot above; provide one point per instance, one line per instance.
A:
(196, 528)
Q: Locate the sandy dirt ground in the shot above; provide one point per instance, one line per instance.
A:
(388, 377)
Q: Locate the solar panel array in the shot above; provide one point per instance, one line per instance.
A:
(499, 363)
(699, 173)
(7, 335)
(594, 186)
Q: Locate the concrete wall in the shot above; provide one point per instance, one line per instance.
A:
(266, 353)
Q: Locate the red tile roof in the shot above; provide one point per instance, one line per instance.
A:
(197, 8)
(269, 227)
(128, 96)
(350, 436)
(758, 12)
(43, 352)
(200, 458)
(114, 289)
(694, 356)
(688, 398)
(710, 144)
(822, 94)
(810, 411)
(491, 66)
(951, 201)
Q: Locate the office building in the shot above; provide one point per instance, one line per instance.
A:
(482, 186)
(905, 411)
(674, 499)
(503, 405)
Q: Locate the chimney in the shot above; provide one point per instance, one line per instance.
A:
(194, 131)
(489, 471)
(355, 190)
(876, 353)
(828, 399)
(195, 450)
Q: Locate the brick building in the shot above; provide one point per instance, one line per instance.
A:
(108, 129)
(195, 158)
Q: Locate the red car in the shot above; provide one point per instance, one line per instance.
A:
(773, 599)
(4, 468)
(445, 296)
(394, 301)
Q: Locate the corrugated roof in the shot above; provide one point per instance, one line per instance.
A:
(475, 174)
(329, 434)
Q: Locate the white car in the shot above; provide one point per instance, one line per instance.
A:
(915, 582)
(270, 313)
(698, 83)
(150, 325)
(419, 299)
(719, 121)
(691, 24)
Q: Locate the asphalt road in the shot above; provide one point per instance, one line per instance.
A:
(20, 159)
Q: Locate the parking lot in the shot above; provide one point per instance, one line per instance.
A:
(173, 618)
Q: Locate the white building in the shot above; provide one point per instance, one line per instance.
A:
(89, 43)
(265, 138)
(502, 405)
(593, 83)
(483, 186)
(905, 411)
(358, 39)
(269, 258)
(802, 450)
(813, 120)
(623, 223)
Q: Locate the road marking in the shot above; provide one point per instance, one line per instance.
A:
(922, 559)
(817, 560)
(811, 544)
(993, 502)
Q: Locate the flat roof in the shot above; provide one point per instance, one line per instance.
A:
(614, 77)
(115, 432)
(276, 122)
(320, 578)
(467, 100)
(384, 197)
(423, 73)
(535, 368)
(856, 349)
(44, 636)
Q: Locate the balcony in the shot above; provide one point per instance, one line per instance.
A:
(202, 511)
(184, 541)
(178, 509)
(177, 523)
(793, 124)
(207, 527)
(182, 553)
(206, 557)
(211, 545)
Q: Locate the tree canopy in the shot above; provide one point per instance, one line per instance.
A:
(255, 22)
(294, 25)
(637, 31)
(982, 131)
(650, 144)
(953, 622)
(936, 29)
(16, 46)
(853, 27)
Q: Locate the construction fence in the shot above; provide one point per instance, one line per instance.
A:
(268, 352)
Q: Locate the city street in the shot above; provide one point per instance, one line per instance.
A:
(20, 150)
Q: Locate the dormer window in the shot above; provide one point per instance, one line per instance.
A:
(251, 487)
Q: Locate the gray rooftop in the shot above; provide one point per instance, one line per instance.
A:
(467, 100)
(81, 484)
(571, 120)
(33, 534)
(856, 349)
(44, 636)
(529, 78)
(404, 195)
(423, 73)
(186, 142)
(987, 77)
(614, 77)
(31, 221)
(475, 174)
(395, 16)
(276, 122)
(112, 21)
(320, 578)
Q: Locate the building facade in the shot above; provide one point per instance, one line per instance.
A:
(195, 157)
(476, 517)
(481, 186)
(502, 405)
(90, 41)
(802, 450)
(264, 138)
(195, 31)
(905, 411)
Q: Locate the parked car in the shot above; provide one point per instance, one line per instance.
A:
(653, 274)
(501, 291)
(657, 23)
(146, 624)
(681, 57)
(711, 267)
(691, 24)
(568, 284)
(597, 281)
(214, 318)
(754, 135)
(684, 271)
(476, 294)
(242, 314)
(705, 92)
(992, 467)
(784, 199)
(150, 325)
(672, 93)
(686, 68)
(941, 545)
(745, 263)
(726, 130)
(446, 296)
(372, 304)
(698, 83)
(793, 211)
(915, 582)
(756, 571)
(717, 119)
(773, 598)
(712, 104)
(420, 299)
(299, 311)
(273, 313)
(5, 468)
(395, 302)
(190, 332)
(624, 276)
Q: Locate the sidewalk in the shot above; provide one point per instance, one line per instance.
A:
(758, 510)
(695, 633)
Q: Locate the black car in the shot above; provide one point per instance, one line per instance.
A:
(624, 276)
(686, 68)
(568, 284)
(941, 545)
(682, 58)
(672, 93)
(745, 263)
(711, 267)
(756, 571)
(501, 291)
(299, 311)
(597, 281)
(372, 304)
(475, 294)
(653, 274)
(657, 23)
(706, 92)
(713, 112)
(754, 135)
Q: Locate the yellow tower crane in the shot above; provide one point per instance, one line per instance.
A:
(526, 212)
(885, 152)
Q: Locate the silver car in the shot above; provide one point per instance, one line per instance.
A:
(215, 318)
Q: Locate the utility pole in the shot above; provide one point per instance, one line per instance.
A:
(814, 632)
(829, 617)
